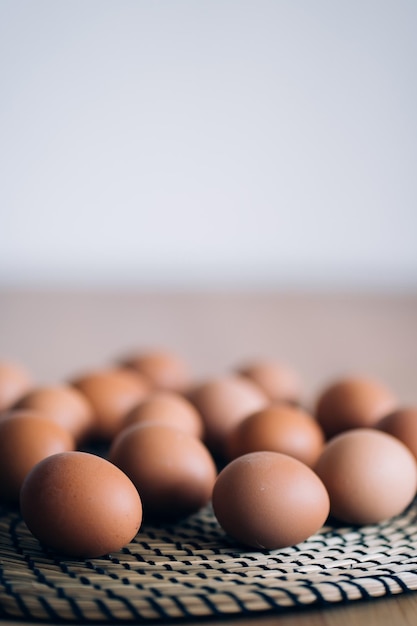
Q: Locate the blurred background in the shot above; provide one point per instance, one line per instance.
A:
(180, 144)
(241, 174)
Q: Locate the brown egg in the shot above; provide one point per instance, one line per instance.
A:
(403, 425)
(278, 381)
(64, 405)
(112, 393)
(165, 370)
(80, 505)
(173, 471)
(353, 403)
(370, 476)
(168, 408)
(269, 500)
(14, 383)
(223, 403)
(278, 428)
(26, 437)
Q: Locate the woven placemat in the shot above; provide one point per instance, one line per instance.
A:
(192, 569)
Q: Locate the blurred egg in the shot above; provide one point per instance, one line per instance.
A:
(280, 382)
(164, 370)
(173, 471)
(223, 403)
(112, 393)
(278, 428)
(80, 505)
(402, 424)
(64, 405)
(370, 476)
(26, 437)
(168, 408)
(269, 500)
(15, 381)
(353, 403)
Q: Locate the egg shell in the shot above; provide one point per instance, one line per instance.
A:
(167, 408)
(280, 382)
(223, 403)
(64, 405)
(278, 428)
(15, 381)
(112, 393)
(173, 471)
(370, 476)
(268, 500)
(165, 370)
(353, 403)
(26, 437)
(402, 424)
(80, 505)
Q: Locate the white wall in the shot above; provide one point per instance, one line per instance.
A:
(202, 142)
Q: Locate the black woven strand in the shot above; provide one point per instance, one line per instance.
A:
(192, 569)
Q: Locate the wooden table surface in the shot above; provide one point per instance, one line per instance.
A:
(58, 334)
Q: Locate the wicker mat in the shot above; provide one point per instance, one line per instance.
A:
(191, 569)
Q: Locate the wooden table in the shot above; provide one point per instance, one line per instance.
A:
(58, 334)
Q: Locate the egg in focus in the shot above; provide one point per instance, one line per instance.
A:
(80, 505)
(268, 500)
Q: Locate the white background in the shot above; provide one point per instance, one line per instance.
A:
(208, 143)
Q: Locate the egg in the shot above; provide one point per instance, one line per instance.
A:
(168, 408)
(353, 403)
(173, 471)
(15, 381)
(278, 428)
(370, 476)
(165, 370)
(268, 500)
(112, 393)
(64, 405)
(26, 437)
(280, 382)
(223, 403)
(80, 505)
(402, 424)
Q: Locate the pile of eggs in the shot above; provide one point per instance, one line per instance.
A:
(272, 470)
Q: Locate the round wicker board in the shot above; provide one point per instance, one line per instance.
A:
(192, 569)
